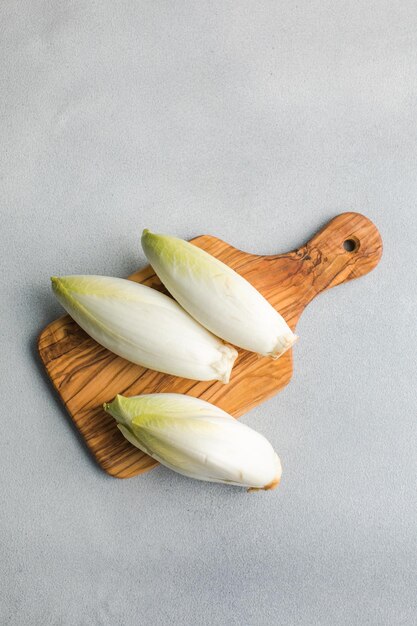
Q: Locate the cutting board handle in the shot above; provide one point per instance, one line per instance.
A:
(348, 247)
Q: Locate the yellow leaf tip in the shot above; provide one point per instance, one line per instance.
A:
(56, 283)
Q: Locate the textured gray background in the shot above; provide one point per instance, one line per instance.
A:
(257, 122)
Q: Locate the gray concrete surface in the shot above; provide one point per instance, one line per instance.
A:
(256, 122)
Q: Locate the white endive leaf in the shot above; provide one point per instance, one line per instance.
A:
(144, 326)
(197, 439)
(217, 297)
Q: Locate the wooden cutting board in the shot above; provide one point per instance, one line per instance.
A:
(85, 375)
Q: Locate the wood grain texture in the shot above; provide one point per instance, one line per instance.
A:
(85, 375)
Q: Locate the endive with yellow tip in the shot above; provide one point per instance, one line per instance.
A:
(197, 439)
(144, 326)
(217, 297)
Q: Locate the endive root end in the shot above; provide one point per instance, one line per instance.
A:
(225, 365)
(283, 345)
(271, 485)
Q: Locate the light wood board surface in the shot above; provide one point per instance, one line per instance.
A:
(85, 374)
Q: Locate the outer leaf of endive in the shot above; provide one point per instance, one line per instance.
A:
(217, 297)
(197, 439)
(144, 326)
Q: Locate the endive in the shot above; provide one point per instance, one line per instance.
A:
(217, 297)
(197, 439)
(144, 326)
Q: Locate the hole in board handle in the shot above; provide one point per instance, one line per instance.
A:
(351, 244)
